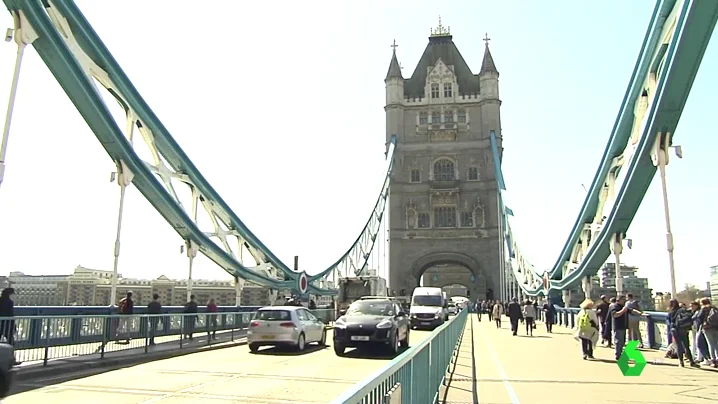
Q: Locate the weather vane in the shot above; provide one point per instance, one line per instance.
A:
(440, 30)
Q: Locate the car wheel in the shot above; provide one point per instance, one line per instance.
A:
(395, 344)
(323, 340)
(301, 342)
(405, 342)
(339, 350)
(253, 347)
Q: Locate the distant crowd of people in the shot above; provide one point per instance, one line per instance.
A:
(526, 312)
(693, 328)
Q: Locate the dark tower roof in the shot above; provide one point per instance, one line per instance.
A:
(394, 68)
(488, 65)
(441, 46)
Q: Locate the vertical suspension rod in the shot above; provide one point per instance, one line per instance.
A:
(23, 35)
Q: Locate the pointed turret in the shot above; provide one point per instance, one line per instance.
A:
(488, 65)
(394, 67)
(394, 107)
(394, 80)
(488, 75)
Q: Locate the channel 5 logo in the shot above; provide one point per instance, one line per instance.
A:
(631, 353)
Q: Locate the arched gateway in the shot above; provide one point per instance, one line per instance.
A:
(443, 191)
(444, 269)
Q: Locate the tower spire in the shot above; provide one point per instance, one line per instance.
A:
(487, 65)
(441, 30)
(394, 67)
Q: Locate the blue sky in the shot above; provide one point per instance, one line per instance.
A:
(283, 113)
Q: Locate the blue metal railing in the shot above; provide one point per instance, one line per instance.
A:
(47, 335)
(417, 374)
(653, 327)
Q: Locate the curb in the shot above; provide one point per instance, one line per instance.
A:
(30, 374)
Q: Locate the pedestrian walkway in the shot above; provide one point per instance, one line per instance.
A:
(494, 367)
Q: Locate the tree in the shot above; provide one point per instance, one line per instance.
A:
(690, 293)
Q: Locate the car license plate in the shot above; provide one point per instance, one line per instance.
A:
(359, 338)
(267, 336)
(425, 323)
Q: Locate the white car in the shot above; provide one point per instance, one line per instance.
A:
(452, 309)
(285, 326)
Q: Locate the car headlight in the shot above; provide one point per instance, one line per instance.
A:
(339, 323)
(384, 324)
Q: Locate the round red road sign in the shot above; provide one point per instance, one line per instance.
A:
(303, 283)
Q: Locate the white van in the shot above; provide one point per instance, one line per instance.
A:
(428, 308)
(460, 301)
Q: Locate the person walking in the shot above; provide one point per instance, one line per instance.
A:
(587, 331)
(515, 315)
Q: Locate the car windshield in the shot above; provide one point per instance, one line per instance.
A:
(452, 305)
(273, 315)
(371, 308)
(427, 300)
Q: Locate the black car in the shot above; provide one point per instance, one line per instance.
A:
(372, 322)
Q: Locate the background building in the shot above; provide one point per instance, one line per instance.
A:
(92, 287)
(604, 283)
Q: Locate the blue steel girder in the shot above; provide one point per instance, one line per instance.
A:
(74, 53)
(671, 54)
(73, 72)
(671, 71)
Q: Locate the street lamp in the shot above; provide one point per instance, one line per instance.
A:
(123, 176)
(23, 35)
(191, 249)
(617, 248)
(660, 159)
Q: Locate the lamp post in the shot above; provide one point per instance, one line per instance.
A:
(23, 34)
(11, 102)
(191, 248)
(660, 159)
(617, 248)
(123, 176)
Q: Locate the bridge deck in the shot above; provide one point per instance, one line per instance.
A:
(495, 367)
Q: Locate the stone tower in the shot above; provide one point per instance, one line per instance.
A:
(443, 212)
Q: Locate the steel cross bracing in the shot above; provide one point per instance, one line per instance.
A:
(74, 54)
(671, 54)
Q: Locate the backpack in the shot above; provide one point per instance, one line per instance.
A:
(684, 319)
(122, 307)
(584, 323)
(712, 318)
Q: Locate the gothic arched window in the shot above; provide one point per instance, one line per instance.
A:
(435, 90)
(447, 90)
(444, 170)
